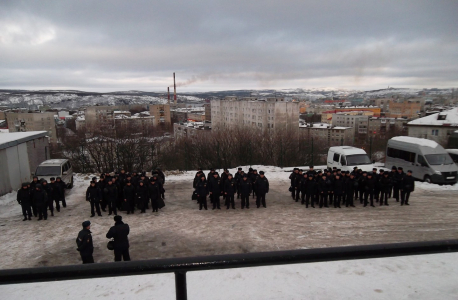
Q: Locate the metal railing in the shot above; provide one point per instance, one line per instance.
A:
(180, 266)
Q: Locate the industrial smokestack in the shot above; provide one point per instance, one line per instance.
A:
(174, 89)
(168, 95)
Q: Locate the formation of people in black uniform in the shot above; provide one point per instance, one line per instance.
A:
(242, 185)
(335, 188)
(126, 192)
(37, 197)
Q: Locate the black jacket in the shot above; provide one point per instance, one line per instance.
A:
(324, 186)
(230, 186)
(93, 193)
(154, 190)
(111, 192)
(408, 184)
(261, 185)
(23, 197)
(339, 186)
(214, 185)
(129, 192)
(385, 184)
(245, 187)
(310, 186)
(142, 193)
(84, 242)
(119, 233)
(40, 198)
(202, 188)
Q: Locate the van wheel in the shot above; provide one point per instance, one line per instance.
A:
(427, 179)
(71, 183)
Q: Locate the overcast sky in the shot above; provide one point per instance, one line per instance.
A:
(226, 45)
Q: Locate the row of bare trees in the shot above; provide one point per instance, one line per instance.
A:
(108, 150)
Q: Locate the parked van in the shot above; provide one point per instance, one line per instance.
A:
(426, 158)
(56, 168)
(348, 157)
(453, 154)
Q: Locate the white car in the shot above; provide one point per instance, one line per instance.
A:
(56, 168)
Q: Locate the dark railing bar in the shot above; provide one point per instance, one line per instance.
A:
(182, 265)
(181, 291)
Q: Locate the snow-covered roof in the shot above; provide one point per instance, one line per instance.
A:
(416, 141)
(347, 150)
(341, 127)
(12, 139)
(450, 118)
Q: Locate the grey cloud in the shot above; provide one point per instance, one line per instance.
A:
(214, 44)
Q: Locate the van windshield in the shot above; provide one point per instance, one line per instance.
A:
(48, 171)
(439, 159)
(358, 159)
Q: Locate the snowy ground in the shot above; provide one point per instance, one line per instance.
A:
(413, 277)
(180, 229)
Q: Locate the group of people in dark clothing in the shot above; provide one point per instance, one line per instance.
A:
(126, 192)
(118, 233)
(335, 188)
(227, 186)
(38, 196)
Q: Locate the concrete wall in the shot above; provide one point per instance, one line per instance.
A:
(425, 132)
(34, 122)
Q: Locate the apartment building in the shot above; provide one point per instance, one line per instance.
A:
(268, 114)
(161, 114)
(97, 116)
(407, 109)
(327, 134)
(191, 129)
(37, 121)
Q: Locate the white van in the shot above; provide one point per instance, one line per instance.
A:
(348, 157)
(426, 158)
(453, 154)
(56, 168)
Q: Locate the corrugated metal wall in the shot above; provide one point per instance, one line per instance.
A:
(15, 168)
(5, 185)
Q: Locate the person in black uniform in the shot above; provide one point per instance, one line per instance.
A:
(94, 196)
(33, 184)
(297, 184)
(154, 190)
(214, 187)
(254, 176)
(397, 182)
(262, 188)
(351, 185)
(385, 188)
(40, 198)
(407, 186)
(338, 189)
(84, 243)
(48, 190)
(119, 233)
(324, 187)
(129, 197)
(202, 191)
(24, 199)
(141, 195)
(245, 188)
(237, 178)
(310, 186)
(230, 187)
(61, 193)
(111, 196)
(369, 189)
(292, 178)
